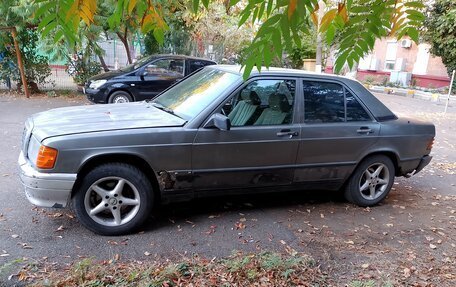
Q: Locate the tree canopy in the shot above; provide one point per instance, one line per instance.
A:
(357, 23)
(441, 32)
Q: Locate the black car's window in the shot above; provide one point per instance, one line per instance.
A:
(323, 102)
(355, 112)
(170, 67)
(197, 64)
(262, 102)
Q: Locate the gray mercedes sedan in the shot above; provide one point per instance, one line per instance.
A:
(213, 134)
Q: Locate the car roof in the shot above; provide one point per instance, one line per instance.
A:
(378, 109)
(180, 57)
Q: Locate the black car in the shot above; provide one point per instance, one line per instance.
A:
(142, 80)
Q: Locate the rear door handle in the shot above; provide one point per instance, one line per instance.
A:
(364, 130)
(287, 132)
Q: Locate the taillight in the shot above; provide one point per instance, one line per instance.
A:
(46, 157)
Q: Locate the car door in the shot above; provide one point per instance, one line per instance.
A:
(158, 75)
(337, 132)
(260, 148)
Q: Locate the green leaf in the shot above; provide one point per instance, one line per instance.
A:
(261, 11)
(250, 62)
(330, 33)
(245, 15)
(205, 3)
(269, 7)
(413, 34)
(233, 2)
(195, 5)
(44, 8)
(255, 14)
(267, 56)
(49, 27)
(159, 35)
(415, 4)
(49, 18)
(277, 41)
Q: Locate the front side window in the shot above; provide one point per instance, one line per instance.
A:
(262, 102)
(171, 67)
(191, 96)
(323, 102)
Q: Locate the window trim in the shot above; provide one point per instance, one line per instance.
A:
(295, 119)
(345, 88)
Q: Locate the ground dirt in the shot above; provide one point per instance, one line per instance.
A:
(408, 240)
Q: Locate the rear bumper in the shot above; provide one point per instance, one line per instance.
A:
(425, 160)
(45, 189)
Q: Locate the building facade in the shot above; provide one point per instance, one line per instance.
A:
(402, 62)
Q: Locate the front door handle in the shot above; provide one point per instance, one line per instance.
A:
(364, 130)
(285, 133)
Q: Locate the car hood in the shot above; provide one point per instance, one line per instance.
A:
(106, 76)
(96, 118)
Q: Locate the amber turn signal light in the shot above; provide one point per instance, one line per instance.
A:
(46, 157)
(430, 144)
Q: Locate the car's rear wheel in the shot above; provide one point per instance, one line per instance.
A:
(113, 199)
(119, 97)
(371, 181)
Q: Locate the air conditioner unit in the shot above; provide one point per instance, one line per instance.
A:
(406, 43)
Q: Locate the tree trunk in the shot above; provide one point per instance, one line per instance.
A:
(103, 63)
(124, 40)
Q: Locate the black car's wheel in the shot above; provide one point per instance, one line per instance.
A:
(119, 97)
(371, 181)
(113, 199)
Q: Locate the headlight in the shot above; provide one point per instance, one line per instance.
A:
(33, 149)
(97, 84)
(43, 157)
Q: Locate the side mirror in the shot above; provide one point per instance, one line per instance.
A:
(219, 121)
(144, 73)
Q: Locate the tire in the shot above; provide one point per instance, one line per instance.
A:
(120, 97)
(119, 196)
(371, 181)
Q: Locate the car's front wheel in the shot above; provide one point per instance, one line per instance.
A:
(113, 199)
(119, 97)
(371, 181)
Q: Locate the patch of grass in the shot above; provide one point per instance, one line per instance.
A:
(8, 266)
(369, 283)
(271, 269)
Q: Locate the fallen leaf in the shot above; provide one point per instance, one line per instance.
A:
(147, 253)
(432, 246)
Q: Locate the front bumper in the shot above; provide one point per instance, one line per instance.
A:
(95, 95)
(45, 189)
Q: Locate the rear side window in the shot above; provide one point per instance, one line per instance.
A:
(355, 112)
(323, 102)
(330, 103)
(198, 64)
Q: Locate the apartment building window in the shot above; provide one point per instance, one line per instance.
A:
(390, 59)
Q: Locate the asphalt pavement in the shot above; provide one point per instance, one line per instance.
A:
(207, 227)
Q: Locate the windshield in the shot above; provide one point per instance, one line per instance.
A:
(190, 97)
(136, 64)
